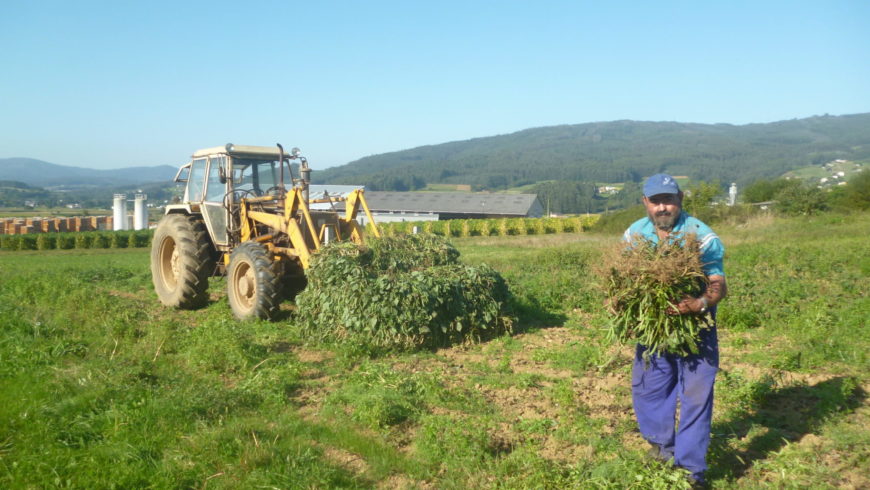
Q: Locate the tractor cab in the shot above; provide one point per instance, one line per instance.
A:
(217, 179)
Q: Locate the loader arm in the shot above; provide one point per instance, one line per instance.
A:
(355, 200)
(296, 218)
(283, 223)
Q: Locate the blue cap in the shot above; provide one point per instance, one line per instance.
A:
(660, 184)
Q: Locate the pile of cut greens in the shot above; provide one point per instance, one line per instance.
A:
(401, 292)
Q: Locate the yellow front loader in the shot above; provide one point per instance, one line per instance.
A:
(238, 218)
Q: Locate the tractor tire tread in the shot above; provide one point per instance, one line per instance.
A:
(197, 257)
(267, 301)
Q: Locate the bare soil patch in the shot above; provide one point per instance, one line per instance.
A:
(346, 459)
(317, 385)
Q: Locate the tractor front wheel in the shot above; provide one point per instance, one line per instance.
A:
(181, 261)
(253, 285)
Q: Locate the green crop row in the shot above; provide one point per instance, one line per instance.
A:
(492, 227)
(77, 240)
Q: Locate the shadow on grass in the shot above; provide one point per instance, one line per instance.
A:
(782, 416)
(284, 314)
(530, 314)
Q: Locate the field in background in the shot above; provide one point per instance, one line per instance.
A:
(41, 212)
(100, 385)
(816, 172)
(432, 187)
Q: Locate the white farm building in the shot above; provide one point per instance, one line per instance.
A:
(423, 206)
(434, 206)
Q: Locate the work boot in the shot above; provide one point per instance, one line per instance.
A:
(697, 484)
(655, 452)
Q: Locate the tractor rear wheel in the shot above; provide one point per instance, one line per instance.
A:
(182, 259)
(253, 283)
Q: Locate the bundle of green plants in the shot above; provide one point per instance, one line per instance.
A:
(440, 228)
(9, 242)
(401, 292)
(46, 241)
(478, 227)
(83, 240)
(536, 227)
(516, 226)
(100, 240)
(644, 281)
(66, 241)
(119, 239)
(27, 242)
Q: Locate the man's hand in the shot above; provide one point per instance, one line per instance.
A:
(716, 290)
(688, 306)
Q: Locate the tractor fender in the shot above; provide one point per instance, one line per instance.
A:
(182, 209)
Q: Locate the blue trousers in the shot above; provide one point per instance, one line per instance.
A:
(656, 386)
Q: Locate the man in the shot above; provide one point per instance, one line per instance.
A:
(666, 378)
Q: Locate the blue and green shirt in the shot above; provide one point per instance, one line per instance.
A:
(712, 250)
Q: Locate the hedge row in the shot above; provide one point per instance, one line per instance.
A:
(491, 227)
(78, 240)
(447, 228)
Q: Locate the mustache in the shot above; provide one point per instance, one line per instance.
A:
(663, 213)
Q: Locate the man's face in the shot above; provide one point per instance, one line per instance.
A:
(664, 209)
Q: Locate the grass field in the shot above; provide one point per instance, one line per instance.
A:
(816, 172)
(102, 387)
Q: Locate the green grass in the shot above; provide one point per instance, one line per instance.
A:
(101, 386)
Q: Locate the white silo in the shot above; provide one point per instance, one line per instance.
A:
(119, 218)
(140, 213)
(732, 194)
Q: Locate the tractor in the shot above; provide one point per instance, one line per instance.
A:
(237, 218)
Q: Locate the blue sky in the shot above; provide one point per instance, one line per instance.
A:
(117, 84)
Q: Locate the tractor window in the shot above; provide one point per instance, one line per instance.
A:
(196, 181)
(215, 191)
(256, 176)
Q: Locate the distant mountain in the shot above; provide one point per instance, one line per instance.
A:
(618, 151)
(38, 173)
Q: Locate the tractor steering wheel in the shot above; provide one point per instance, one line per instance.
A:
(280, 191)
(237, 195)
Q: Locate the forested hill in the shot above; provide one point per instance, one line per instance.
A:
(43, 174)
(617, 151)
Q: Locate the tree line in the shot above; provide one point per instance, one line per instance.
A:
(619, 151)
(15, 194)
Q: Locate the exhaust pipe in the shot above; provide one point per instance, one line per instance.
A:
(305, 170)
(281, 164)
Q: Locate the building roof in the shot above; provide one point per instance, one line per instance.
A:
(320, 191)
(451, 202)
